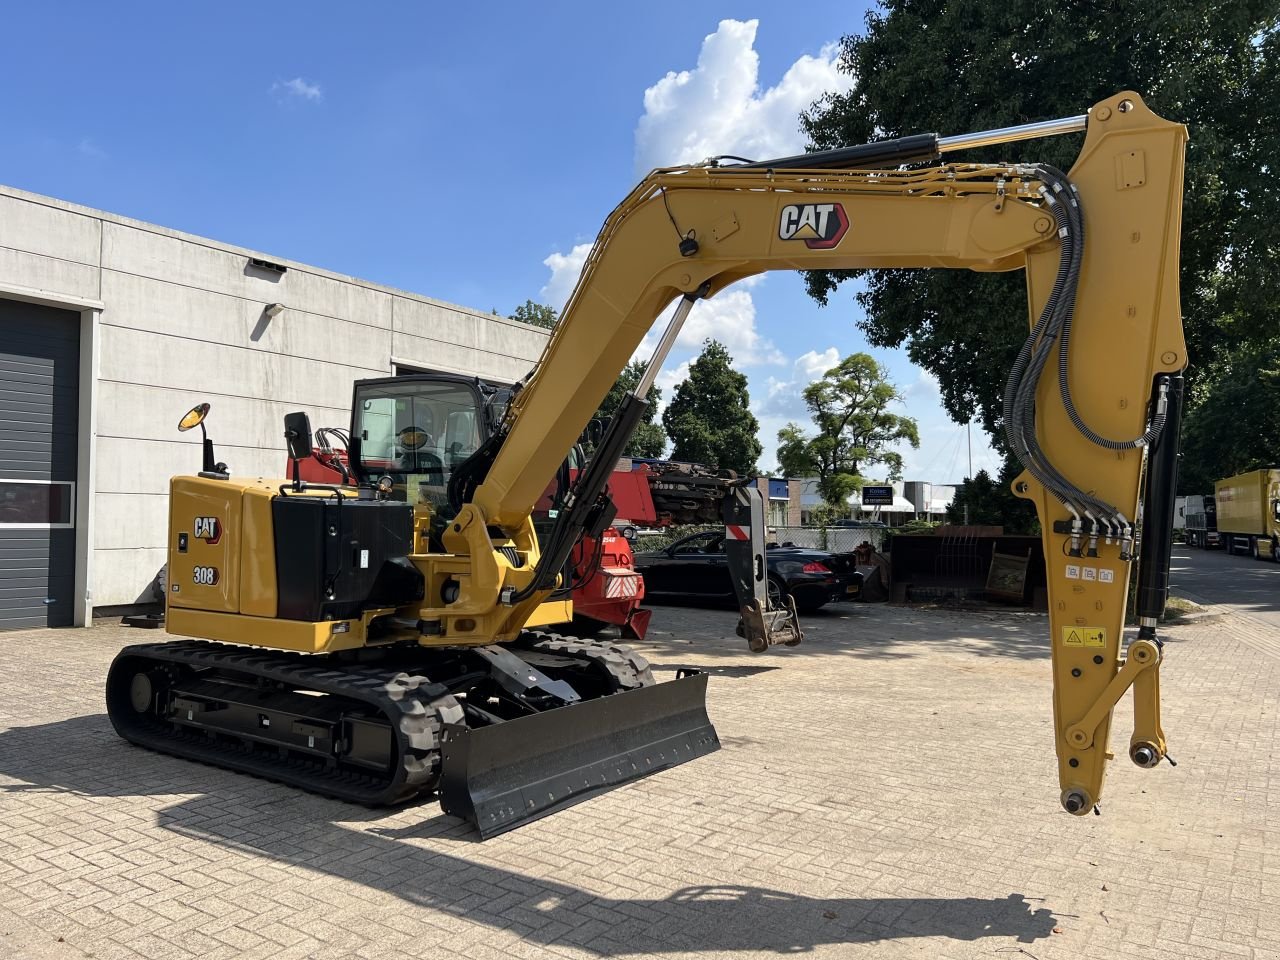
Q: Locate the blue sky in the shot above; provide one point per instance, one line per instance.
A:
(382, 140)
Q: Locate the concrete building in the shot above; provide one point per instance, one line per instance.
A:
(930, 500)
(912, 499)
(111, 329)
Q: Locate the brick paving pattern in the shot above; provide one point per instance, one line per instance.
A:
(886, 790)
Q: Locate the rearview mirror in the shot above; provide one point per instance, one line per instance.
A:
(297, 435)
(193, 417)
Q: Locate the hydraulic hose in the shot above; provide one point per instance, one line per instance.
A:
(1053, 327)
(1071, 204)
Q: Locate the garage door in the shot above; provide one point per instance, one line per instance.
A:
(39, 415)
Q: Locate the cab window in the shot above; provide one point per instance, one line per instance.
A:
(416, 433)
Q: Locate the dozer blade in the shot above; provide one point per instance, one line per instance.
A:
(505, 775)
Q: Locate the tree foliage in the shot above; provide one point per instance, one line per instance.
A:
(648, 440)
(982, 501)
(960, 65)
(855, 429)
(709, 419)
(1233, 422)
(535, 314)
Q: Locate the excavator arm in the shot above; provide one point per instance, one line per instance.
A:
(766, 620)
(1092, 401)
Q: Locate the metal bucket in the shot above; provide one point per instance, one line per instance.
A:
(508, 774)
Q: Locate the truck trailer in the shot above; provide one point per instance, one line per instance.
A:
(1249, 513)
(1200, 516)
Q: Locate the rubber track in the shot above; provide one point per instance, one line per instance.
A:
(628, 669)
(412, 705)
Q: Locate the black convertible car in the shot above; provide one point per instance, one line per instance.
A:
(696, 568)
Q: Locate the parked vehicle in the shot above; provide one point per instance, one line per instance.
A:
(1201, 515)
(1249, 513)
(695, 567)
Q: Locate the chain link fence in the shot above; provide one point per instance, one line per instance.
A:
(834, 539)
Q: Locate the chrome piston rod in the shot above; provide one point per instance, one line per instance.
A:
(1026, 131)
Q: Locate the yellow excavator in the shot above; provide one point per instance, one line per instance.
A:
(380, 640)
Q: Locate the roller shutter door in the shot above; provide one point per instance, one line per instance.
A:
(39, 419)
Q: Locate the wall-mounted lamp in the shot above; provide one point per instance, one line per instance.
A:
(273, 310)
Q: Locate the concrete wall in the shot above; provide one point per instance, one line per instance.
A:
(176, 319)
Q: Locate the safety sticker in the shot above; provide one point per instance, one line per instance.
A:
(1106, 576)
(1073, 571)
(1084, 636)
(1089, 573)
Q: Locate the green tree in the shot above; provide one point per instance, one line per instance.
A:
(855, 429)
(709, 419)
(648, 439)
(1232, 424)
(982, 501)
(1212, 65)
(535, 314)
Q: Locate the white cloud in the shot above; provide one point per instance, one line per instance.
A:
(296, 89)
(729, 317)
(782, 398)
(565, 270)
(814, 364)
(719, 108)
(669, 379)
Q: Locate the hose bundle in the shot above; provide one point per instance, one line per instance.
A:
(1053, 329)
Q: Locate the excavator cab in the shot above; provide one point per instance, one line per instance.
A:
(416, 431)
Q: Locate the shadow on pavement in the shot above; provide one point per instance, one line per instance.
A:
(1214, 577)
(859, 631)
(82, 756)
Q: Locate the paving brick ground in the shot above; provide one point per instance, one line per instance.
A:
(885, 790)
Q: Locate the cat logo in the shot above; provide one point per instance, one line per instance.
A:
(208, 529)
(820, 225)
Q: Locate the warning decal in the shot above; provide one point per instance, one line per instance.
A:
(1084, 637)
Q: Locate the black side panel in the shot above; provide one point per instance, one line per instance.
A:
(330, 555)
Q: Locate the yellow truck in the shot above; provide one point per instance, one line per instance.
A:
(1249, 513)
